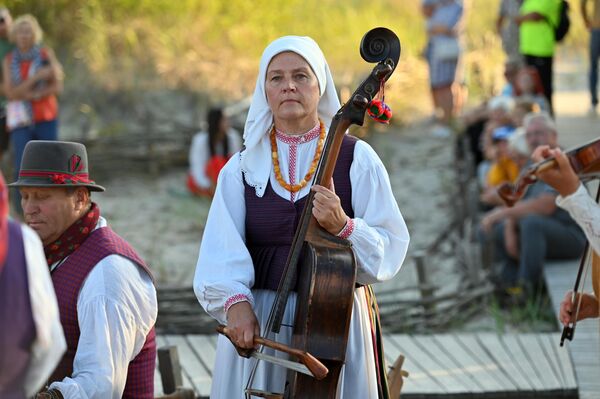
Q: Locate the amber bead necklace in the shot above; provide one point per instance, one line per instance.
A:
(313, 166)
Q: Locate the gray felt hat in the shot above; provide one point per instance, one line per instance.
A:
(55, 164)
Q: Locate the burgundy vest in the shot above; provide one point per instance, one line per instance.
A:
(17, 328)
(271, 220)
(68, 279)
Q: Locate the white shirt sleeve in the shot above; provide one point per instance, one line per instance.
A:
(380, 238)
(586, 212)
(224, 269)
(199, 155)
(49, 344)
(116, 309)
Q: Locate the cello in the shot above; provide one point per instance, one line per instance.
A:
(321, 267)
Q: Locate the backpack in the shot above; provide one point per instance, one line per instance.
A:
(564, 22)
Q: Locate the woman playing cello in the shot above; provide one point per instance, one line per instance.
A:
(260, 194)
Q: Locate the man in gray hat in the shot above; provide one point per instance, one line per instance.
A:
(105, 291)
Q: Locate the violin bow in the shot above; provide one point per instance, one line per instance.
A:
(569, 330)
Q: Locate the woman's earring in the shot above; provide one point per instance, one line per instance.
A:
(378, 109)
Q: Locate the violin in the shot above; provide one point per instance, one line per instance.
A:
(585, 161)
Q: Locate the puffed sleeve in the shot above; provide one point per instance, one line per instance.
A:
(379, 236)
(224, 272)
(586, 212)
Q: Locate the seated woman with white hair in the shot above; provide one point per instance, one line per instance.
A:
(259, 196)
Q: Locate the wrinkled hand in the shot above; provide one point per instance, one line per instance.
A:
(491, 218)
(562, 177)
(327, 209)
(242, 325)
(565, 313)
(588, 308)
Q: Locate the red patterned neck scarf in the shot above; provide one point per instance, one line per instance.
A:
(73, 236)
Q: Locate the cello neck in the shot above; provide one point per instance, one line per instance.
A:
(323, 176)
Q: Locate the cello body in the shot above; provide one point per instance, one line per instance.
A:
(326, 284)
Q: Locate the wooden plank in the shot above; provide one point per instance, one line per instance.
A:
(550, 349)
(193, 371)
(170, 368)
(479, 372)
(204, 349)
(418, 380)
(496, 349)
(158, 388)
(466, 364)
(564, 360)
(543, 368)
(471, 344)
(522, 361)
(436, 372)
(443, 367)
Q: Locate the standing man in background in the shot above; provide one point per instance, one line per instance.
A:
(592, 23)
(5, 48)
(537, 20)
(508, 29)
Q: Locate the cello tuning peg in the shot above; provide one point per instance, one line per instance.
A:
(360, 101)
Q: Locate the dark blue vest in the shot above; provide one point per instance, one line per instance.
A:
(271, 221)
(17, 328)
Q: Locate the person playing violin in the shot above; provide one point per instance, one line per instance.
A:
(532, 230)
(574, 198)
(259, 196)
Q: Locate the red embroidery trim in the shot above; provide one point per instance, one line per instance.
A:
(299, 139)
(347, 230)
(235, 299)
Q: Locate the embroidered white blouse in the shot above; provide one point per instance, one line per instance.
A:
(584, 210)
(116, 309)
(379, 238)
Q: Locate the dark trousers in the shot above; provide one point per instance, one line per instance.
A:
(19, 138)
(540, 238)
(544, 67)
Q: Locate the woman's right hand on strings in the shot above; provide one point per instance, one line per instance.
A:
(588, 308)
(242, 325)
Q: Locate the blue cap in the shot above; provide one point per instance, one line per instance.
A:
(503, 132)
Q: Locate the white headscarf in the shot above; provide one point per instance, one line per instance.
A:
(255, 160)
